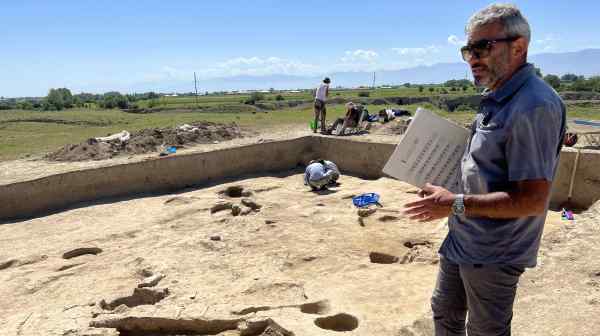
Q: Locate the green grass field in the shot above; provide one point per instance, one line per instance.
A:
(25, 133)
(305, 95)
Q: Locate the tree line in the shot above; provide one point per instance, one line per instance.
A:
(572, 82)
(62, 98)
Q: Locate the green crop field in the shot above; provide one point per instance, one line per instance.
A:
(304, 95)
(24, 133)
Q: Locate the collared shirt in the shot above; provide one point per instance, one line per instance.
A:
(321, 93)
(314, 172)
(517, 135)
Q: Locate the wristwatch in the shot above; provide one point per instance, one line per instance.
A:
(458, 206)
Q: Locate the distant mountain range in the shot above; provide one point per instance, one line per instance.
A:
(584, 62)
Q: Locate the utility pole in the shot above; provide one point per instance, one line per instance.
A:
(373, 79)
(196, 87)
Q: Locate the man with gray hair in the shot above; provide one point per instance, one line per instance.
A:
(496, 221)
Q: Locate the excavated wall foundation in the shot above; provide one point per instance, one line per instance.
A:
(577, 181)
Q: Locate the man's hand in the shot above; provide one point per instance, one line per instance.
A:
(435, 203)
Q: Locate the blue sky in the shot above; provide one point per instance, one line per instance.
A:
(97, 46)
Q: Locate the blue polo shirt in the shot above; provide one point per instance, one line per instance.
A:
(517, 135)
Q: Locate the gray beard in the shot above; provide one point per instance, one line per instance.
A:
(497, 72)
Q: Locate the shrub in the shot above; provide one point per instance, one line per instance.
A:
(364, 94)
(25, 105)
(254, 97)
(113, 100)
(553, 81)
(463, 108)
(279, 97)
(58, 99)
(5, 106)
(153, 103)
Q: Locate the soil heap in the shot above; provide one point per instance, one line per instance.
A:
(148, 140)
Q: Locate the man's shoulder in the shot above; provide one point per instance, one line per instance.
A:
(535, 92)
(535, 100)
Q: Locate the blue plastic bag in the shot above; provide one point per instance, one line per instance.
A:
(365, 199)
(172, 149)
(373, 118)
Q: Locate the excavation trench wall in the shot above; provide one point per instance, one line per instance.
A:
(365, 159)
(55, 192)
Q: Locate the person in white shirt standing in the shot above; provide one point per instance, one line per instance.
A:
(320, 101)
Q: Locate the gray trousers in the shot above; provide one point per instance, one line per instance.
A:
(320, 113)
(486, 292)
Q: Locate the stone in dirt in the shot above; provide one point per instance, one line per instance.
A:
(151, 281)
(251, 204)
(81, 251)
(365, 212)
(235, 192)
(220, 206)
(140, 296)
(236, 210)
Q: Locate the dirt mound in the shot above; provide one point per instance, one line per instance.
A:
(393, 127)
(147, 141)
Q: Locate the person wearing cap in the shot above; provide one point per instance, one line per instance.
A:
(496, 217)
(320, 102)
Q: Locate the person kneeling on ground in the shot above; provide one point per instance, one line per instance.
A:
(318, 175)
(351, 119)
(386, 115)
(334, 168)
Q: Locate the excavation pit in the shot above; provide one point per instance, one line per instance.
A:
(291, 252)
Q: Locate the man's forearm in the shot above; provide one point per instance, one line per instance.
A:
(504, 205)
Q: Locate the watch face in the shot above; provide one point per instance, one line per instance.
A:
(458, 208)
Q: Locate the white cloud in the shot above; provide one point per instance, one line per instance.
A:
(359, 55)
(166, 73)
(417, 51)
(417, 56)
(548, 43)
(256, 66)
(171, 72)
(454, 40)
(356, 60)
(260, 66)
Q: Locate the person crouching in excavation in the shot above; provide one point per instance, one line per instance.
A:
(334, 168)
(317, 175)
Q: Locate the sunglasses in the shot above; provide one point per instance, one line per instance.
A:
(482, 48)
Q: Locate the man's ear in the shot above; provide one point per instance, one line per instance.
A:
(519, 48)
